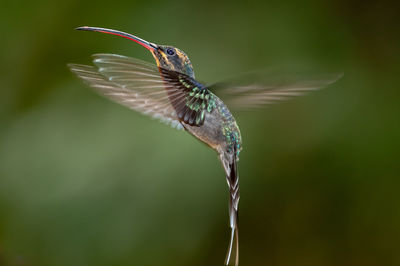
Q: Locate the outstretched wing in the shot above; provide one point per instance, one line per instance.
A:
(169, 96)
(257, 91)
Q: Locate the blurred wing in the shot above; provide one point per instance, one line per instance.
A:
(166, 92)
(132, 99)
(261, 90)
(167, 95)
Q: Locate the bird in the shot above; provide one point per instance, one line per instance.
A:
(169, 92)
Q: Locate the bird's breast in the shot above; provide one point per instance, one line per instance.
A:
(219, 131)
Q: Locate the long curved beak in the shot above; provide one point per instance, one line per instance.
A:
(148, 45)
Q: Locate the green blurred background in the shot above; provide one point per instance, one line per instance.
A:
(84, 181)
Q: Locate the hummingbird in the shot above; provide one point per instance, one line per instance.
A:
(169, 92)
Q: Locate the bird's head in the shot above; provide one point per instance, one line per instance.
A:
(172, 58)
(167, 57)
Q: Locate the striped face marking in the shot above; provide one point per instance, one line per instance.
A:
(173, 59)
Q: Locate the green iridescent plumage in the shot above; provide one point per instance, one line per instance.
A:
(197, 98)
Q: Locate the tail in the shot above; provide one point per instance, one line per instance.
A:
(233, 183)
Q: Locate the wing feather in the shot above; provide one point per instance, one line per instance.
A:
(170, 96)
(269, 88)
(171, 89)
(144, 97)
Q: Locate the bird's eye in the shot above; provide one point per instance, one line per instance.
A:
(170, 51)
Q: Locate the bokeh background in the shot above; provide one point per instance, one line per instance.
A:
(84, 181)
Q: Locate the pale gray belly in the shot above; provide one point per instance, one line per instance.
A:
(210, 132)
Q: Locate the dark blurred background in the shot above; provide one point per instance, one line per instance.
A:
(84, 181)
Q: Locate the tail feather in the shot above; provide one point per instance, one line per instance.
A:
(233, 183)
